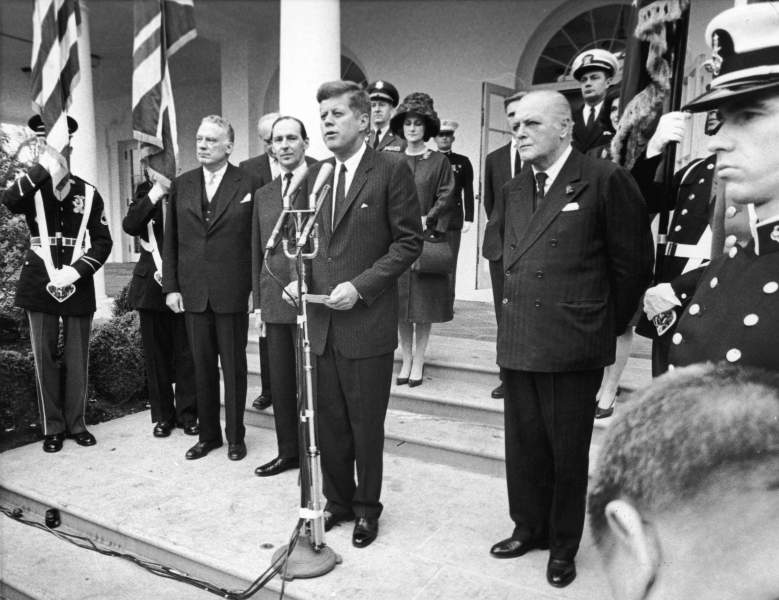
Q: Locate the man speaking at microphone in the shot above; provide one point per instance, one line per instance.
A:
(369, 233)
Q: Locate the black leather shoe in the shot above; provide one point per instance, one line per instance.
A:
(414, 382)
(604, 413)
(560, 573)
(276, 466)
(262, 402)
(236, 451)
(401, 380)
(512, 547)
(53, 443)
(332, 519)
(163, 428)
(200, 449)
(191, 428)
(365, 531)
(498, 392)
(83, 438)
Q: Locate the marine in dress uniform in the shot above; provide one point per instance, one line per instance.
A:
(384, 98)
(56, 285)
(167, 355)
(594, 70)
(732, 315)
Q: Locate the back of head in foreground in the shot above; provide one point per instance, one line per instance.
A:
(685, 501)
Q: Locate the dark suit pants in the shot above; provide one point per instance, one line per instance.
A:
(168, 359)
(265, 368)
(61, 401)
(661, 348)
(352, 398)
(223, 336)
(496, 279)
(283, 382)
(549, 419)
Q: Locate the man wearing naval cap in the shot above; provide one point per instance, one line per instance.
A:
(56, 284)
(384, 98)
(734, 312)
(594, 69)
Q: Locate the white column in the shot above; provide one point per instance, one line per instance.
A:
(309, 54)
(83, 160)
(234, 59)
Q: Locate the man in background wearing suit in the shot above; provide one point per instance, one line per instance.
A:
(264, 168)
(577, 254)
(594, 70)
(207, 275)
(166, 350)
(290, 142)
(384, 98)
(499, 167)
(370, 233)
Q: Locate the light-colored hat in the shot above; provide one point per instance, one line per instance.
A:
(448, 125)
(594, 59)
(744, 45)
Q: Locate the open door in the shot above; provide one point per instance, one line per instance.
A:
(494, 134)
(130, 176)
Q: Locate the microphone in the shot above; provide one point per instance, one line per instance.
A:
(318, 197)
(324, 174)
(294, 184)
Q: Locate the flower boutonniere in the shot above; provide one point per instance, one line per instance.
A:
(427, 154)
(569, 189)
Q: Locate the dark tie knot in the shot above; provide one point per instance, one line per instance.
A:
(541, 183)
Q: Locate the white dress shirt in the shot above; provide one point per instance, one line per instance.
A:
(554, 169)
(212, 180)
(351, 166)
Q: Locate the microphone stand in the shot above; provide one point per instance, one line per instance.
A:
(310, 557)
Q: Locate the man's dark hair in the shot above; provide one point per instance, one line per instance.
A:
(358, 99)
(303, 133)
(687, 425)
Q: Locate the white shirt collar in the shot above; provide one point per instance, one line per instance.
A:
(215, 176)
(595, 109)
(554, 169)
(351, 162)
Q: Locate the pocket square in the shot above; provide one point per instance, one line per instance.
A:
(247, 198)
(570, 206)
(363, 205)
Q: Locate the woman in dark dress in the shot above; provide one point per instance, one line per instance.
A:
(425, 298)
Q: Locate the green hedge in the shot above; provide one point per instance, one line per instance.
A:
(18, 400)
(116, 367)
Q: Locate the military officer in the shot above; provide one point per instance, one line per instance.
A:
(735, 301)
(594, 69)
(384, 98)
(165, 347)
(56, 285)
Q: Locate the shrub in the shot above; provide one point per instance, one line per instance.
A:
(18, 400)
(121, 306)
(116, 367)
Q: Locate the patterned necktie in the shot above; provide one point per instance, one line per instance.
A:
(540, 188)
(340, 193)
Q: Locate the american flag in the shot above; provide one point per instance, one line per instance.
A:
(162, 27)
(55, 68)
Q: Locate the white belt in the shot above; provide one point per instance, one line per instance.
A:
(685, 251)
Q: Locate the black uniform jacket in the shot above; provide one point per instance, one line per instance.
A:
(64, 216)
(463, 189)
(209, 263)
(376, 237)
(497, 171)
(575, 269)
(599, 134)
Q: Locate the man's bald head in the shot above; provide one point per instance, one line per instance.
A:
(544, 127)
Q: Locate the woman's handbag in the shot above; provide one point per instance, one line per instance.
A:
(437, 257)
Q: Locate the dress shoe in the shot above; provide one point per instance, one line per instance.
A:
(414, 382)
(365, 531)
(603, 413)
(262, 402)
(560, 573)
(53, 443)
(200, 449)
(191, 428)
(83, 438)
(498, 392)
(276, 466)
(512, 547)
(163, 428)
(332, 519)
(401, 380)
(236, 451)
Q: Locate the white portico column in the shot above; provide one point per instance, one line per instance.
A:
(83, 159)
(309, 55)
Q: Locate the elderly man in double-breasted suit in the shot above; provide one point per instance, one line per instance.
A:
(577, 254)
(370, 233)
(207, 275)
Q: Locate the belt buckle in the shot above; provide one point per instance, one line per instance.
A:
(60, 294)
(158, 277)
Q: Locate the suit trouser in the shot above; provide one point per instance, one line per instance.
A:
(283, 381)
(265, 368)
(352, 398)
(496, 279)
(61, 405)
(168, 359)
(223, 336)
(548, 419)
(661, 348)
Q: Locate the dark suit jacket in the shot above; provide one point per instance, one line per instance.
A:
(377, 236)
(389, 142)
(210, 264)
(259, 168)
(463, 189)
(575, 269)
(497, 171)
(601, 132)
(266, 291)
(145, 293)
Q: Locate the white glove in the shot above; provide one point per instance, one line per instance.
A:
(659, 299)
(466, 227)
(672, 127)
(258, 323)
(65, 276)
(157, 191)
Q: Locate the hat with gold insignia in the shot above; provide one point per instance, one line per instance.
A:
(595, 59)
(744, 60)
(384, 90)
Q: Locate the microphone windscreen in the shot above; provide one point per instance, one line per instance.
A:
(324, 174)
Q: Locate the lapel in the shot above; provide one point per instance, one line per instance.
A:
(225, 193)
(270, 205)
(192, 192)
(358, 181)
(387, 140)
(527, 227)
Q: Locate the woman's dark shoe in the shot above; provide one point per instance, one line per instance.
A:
(401, 380)
(414, 382)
